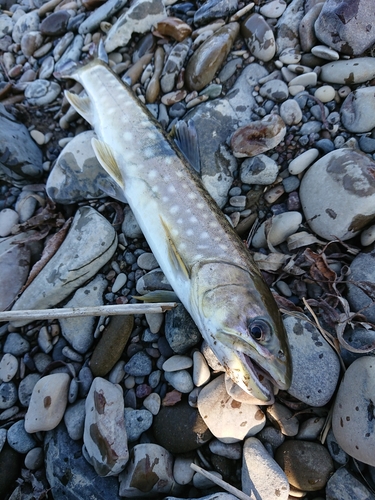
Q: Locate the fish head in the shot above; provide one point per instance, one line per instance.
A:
(239, 319)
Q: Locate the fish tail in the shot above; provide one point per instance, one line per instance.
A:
(71, 69)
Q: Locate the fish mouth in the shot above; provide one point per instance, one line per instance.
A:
(264, 382)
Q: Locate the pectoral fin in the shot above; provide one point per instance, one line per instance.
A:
(174, 256)
(157, 296)
(107, 160)
(81, 104)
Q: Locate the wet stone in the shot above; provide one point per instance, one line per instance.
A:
(259, 37)
(55, 24)
(214, 9)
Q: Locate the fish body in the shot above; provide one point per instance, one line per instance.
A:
(204, 260)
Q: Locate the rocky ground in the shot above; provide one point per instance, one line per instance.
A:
(282, 98)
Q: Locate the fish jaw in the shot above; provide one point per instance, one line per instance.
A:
(239, 319)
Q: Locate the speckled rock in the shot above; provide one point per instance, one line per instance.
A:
(228, 420)
(348, 27)
(343, 486)
(348, 71)
(259, 37)
(55, 24)
(149, 472)
(287, 27)
(315, 364)
(307, 35)
(353, 411)
(290, 112)
(358, 109)
(42, 92)
(214, 9)
(260, 170)
(180, 330)
(103, 12)
(48, 403)
(77, 175)
(258, 137)
(337, 194)
(261, 473)
(89, 244)
(307, 465)
(173, 65)
(28, 22)
(180, 428)
(139, 18)
(14, 270)
(208, 58)
(104, 435)
(20, 158)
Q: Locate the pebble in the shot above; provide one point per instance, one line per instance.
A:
(105, 437)
(139, 365)
(290, 112)
(152, 403)
(259, 37)
(26, 387)
(8, 367)
(276, 90)
(307, 465)
(258, 137)
(356, 110)
(352, 415)
(303, 161)
(288, 26)
(367, 237)
(344, 486)
(315, 364)
(201, 371)
(8, 219)
(326, 93)
(48, 403)
(273, 9)
(208, 58)
(8, 395)
(337, 194)
(182, 472)
(180, 380)
(180, 330)
(305, 80)
(34, 459)
(325, 52)
(173, 65)
(15, 344)
(19, 439)
(136, 422)
(283, 418)
(176, 363)
(74, 419)
(278, 228)
(260, 169)
(348, 72)
(42, 92)
(258, 464)
(215, 406)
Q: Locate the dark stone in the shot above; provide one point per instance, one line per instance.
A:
(55, 24)
(214, 9)
(70, 476)
(367, 144)
(180, 330)
(180, 428)
(10, 468)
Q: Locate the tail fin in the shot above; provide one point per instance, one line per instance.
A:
(69, 69)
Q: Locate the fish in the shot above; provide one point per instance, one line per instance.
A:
(206, 263)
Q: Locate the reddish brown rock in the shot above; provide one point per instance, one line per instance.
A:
(174, 27)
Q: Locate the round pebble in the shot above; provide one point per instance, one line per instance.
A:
(326, 93)
(8, 367)
(8, 219)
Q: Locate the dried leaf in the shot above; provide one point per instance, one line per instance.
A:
(53, 244)
(171, 398)
(302, 239)
(284, 303)
(320, 271)
(271, 262)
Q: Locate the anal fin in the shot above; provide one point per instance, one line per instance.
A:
(174, 255)
(81, 104)
(108, 161)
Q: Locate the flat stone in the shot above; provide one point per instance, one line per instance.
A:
(48, 402)
(357, 111)
(8, 367)
(213, 9)
(343, 486)
(102, 13)
(228, 420)
(352, 417)
(105, 437)
(348, 28)
(68, 473)
(139, 365)
(42, 92)
(139, 18)
(348, 72)
(208, 58)
(273, 9)
(257, 464)
(180, 380)
(74, 419)
(307, 35)
(14, 270)
(8, 395)
(307, 465)
(26, 387)
(259, 37)
(149, 472)
(337, 194)
(55, 24)
(304, 160)
(282, 417)
(287, 27)
(173, 65)
(89, 244)
(19, 439)
(16, 344)
(177, 362)
(315, 364)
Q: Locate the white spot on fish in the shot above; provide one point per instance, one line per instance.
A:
(148, 152)
(155, 189)
(223, 247)
(182, 245)
(179, 174)
(200, 205)
(217, 238)
(128, 136)
(192, 196)
(151, 135)
(152, 174)
(174, 232)
(205, 235)
(165, 199)
(174, 209)
(213, 224)
(168, 160)
(180, 221)
(193, 219)
(202, 247)
(171, 189)
(190, 232)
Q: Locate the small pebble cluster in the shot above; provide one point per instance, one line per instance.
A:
(281, 94)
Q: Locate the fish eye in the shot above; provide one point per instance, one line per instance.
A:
(259, 329)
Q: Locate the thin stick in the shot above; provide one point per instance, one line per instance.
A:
(73, 312)
(223, 484)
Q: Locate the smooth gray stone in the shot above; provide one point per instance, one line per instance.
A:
(74, 418)
(180, 330)
(14, 270)
(26, 23)
(21, 160)
(73, 52)
(19, 439)
(68, 473)
(215, 121)
(139, 365)
(344, 486)
(287, 27)
(89, 244)
(214, 9)
(100, 14)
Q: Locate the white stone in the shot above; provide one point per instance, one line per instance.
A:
(182, 472)
(290, 56)
(325, 53)
(304, 160)
(152, 403)
(233, 451)
(201, 371)
(105, 437)
(119, 282)
(177, 362)
(306, 79)
(348, 71)
(8, 218)
(326, 93)
(154, 321)
(273, 9)
(338, 194)
(277, 229)
(38, 137)
(180, 380)
(353, 411)
(367, 236)
(261, 474)
(8, 367)
(48, 402)
(296, 89)
(358, 110)
(291, 112)
(229, 421)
